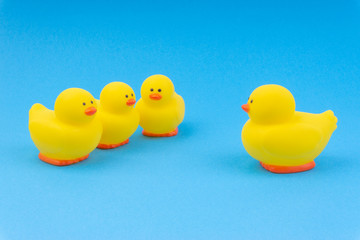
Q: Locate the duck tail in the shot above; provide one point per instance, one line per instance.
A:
(35, 109)
(331, 117)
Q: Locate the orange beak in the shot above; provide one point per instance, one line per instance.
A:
(246, 107)
(155, 96)
(130, 102)
(90, 111)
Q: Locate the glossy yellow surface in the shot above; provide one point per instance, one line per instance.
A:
(69, 132)
(161, 109)
(276, 134)
(117, 113)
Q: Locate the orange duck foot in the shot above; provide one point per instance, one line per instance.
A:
(170, 134)
(58, 162)
(288, 169)
(111, 146)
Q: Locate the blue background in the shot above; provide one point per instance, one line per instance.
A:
(200, 184)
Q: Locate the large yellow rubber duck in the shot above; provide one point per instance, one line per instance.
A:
(69, 133)
(282, 139)
(161, 109)
(117, 113)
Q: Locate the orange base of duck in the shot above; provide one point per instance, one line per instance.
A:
(288, 169)
(111, 146)
(170, 134)
(58, 162)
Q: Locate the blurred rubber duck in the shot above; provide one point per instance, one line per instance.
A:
(117, 113)
(69, 133)
(161, 109)
(282, 139)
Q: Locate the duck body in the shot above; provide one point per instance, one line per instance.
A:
(117, 128)
(161, 109)
(282, 139)
(293, 143)
(61, 142)
(161, 119)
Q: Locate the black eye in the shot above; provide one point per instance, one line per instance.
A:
(126, 96)
(132, 95)
(159, 90)
(251, 101)
(92, 102)
(84, 103)
(151, 89)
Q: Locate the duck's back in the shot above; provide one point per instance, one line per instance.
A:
(44, 129)
(325, 122)
(181, 108)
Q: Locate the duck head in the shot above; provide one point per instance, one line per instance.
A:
(75, 106)
(269, 104)
(117, 97)
(157, 89)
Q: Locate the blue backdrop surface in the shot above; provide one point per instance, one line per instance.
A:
(200, 184)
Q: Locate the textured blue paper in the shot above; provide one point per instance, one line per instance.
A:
(200, 184)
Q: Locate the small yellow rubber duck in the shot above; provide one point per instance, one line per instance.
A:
(283, 140)
(117, 113)
(69, 133)
(161, 109)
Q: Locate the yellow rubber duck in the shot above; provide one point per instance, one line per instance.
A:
(161, 109)
(117, 113)
(282, 139)
(69, 133)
